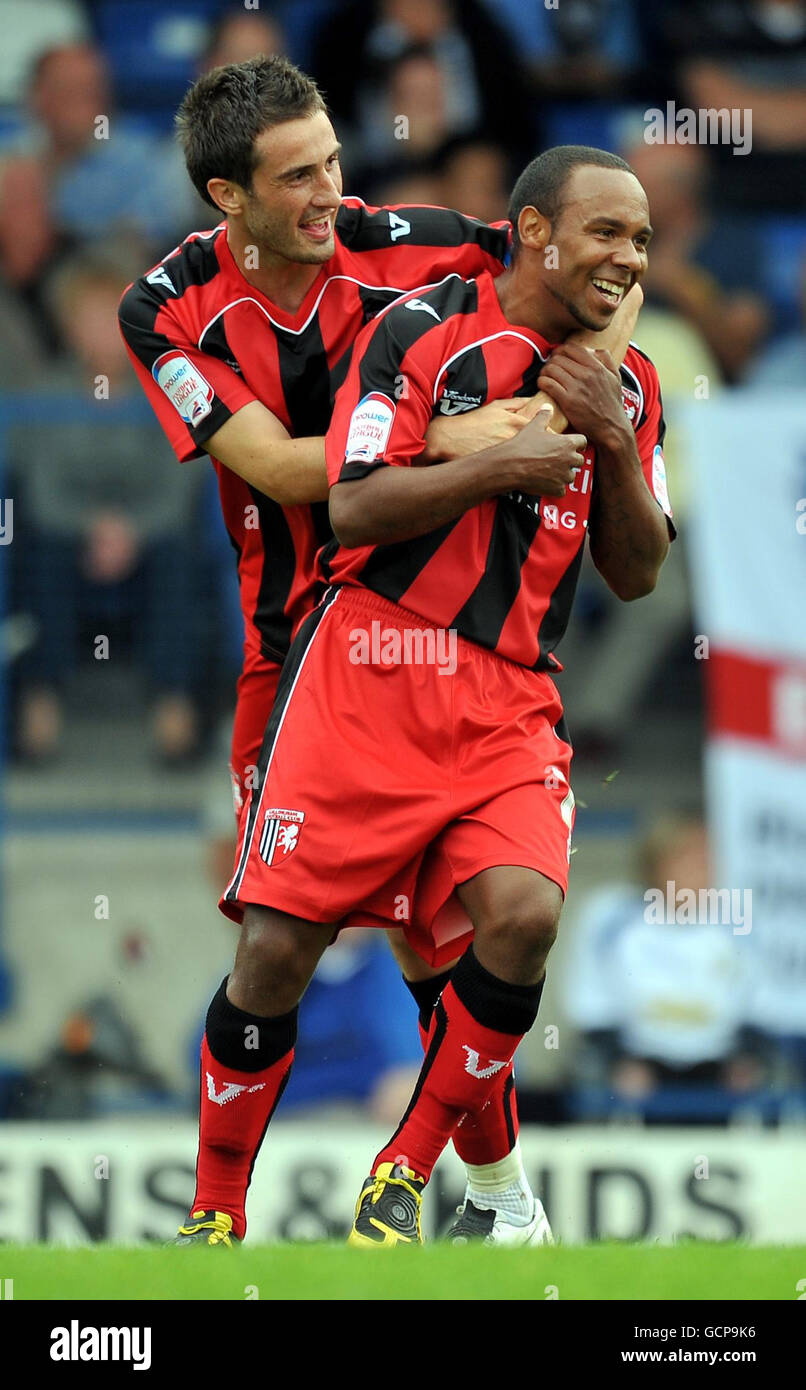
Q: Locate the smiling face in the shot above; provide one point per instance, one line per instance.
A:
(601, 233)
(290, 210)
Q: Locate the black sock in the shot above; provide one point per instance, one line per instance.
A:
(247, 1042)
(495, 1003)
(426, 993)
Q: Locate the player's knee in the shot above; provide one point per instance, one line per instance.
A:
(524, 926)
(275, 954)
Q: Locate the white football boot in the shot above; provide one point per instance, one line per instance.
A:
(490, 1227)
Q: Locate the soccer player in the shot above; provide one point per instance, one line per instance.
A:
(240, 337)
(473, 765)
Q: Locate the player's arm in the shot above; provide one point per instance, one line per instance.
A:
(376, 496)
(396, 503)
(629, 536)
(207, 408)
(256, 445)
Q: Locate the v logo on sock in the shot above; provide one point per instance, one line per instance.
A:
(230, 1090)
(472, 1064)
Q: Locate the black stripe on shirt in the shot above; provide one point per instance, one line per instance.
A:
(515, 526)
(276, 577)
(556, 616)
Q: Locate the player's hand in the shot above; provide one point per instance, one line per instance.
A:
(457, 436)
(615, 338)
(537, 461)
(586, 386)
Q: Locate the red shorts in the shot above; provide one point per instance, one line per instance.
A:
(257, 687)
(371, 773)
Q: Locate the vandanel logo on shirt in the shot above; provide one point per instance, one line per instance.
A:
(189, 392)
(370, 427)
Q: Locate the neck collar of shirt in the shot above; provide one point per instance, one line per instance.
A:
(280, 315)
(488, 297)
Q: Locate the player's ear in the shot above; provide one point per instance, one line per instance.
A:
(534, 230)
(229, 197)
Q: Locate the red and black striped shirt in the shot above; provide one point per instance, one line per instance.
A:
(204, 343)
(503, 574)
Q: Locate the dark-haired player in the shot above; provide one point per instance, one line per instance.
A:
(240, 337)
(474, 767)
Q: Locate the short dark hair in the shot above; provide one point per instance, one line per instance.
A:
(225, 111)
(542, 183)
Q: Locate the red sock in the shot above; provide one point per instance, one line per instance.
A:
(477, 1025)
(492, 1133)
(236, 1104)
(235, 1109)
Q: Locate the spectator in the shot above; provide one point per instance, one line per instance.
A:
(239, 34)
(783, 363)
(659, 1004)
(483, 84)
(29, 29)
(409, 122)
(468, 172)
(744, 56)
(78, 174)
(23, 361)
(477, 177)
(705, 267)
(578, 49)
(94, 1065)
(415, 183)
(108, 519)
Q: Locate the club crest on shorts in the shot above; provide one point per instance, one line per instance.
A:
(280, 835)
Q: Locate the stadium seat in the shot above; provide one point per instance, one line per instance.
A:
(152, 48)
(584, 123)
(301, 21)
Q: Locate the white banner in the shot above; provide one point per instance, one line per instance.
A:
(748, 554)
(132, 1181)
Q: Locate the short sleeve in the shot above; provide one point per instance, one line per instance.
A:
(192, 393)
(383, 409)
(641, 395)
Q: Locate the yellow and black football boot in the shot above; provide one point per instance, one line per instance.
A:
(206, 1228)
(388, 1210)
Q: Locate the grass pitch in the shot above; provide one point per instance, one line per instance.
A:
(695, 1270)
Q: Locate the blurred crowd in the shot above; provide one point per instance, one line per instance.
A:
(436, 101)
